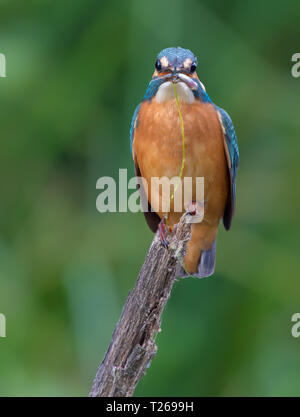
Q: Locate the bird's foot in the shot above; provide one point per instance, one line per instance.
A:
(163, 233)
(196, 211)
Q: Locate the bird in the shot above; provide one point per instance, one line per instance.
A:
(211, 151)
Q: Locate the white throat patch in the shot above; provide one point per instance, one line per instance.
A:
(166, 92)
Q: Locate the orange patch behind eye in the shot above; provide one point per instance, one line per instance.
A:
(164, 73)
(160, 74)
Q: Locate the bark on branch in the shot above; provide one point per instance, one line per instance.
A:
(133, 342)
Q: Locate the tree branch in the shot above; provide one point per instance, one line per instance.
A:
(133, 342)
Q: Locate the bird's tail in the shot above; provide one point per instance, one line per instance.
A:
(206, 266)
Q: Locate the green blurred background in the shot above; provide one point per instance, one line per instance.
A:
(75, 72)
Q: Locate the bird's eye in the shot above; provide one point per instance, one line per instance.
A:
(158, 65)
(193, 67)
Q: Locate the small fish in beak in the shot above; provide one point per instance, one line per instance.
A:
(187, 80)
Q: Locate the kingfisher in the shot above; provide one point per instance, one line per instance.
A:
(211, 152)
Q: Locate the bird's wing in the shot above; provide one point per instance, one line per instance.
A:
(232, 154)
(151, 217)
(134, 124)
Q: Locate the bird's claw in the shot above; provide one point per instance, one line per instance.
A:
(196, 210)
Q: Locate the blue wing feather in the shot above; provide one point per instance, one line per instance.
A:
(233, 152)
(134, 122)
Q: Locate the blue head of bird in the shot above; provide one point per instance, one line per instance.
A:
(177, 66)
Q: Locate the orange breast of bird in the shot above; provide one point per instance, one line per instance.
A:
(158, 151)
